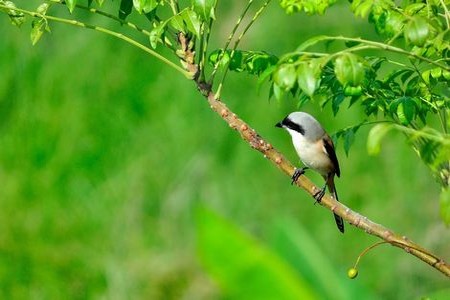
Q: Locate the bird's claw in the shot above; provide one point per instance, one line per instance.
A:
(319, 195)
(297, 174)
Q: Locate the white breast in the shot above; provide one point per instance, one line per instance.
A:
(313, 155)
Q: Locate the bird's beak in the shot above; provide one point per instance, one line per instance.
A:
(279, 124)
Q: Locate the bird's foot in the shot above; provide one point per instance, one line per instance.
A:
(297, 174)
(319, 195)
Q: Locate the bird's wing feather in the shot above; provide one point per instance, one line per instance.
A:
(329, 148)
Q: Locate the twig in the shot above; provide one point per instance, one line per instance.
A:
(255, 17)
(230, 37)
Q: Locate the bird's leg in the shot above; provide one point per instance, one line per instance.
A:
(319, 195)
(298, 173)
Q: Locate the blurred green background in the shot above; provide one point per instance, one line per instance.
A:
(115, 178)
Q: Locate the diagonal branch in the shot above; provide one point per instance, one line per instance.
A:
(256, 142)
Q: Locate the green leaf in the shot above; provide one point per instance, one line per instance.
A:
(436, 73)
(394, 23)
(177, 23)
(192, 21)
(243, 267)
(285, 77)
(236, 62)
(446, 74)
(219, 54)
(125, 8)
(406, 110)
(417, 31)
(71, 4)
(336, 101)
(100, 2)
(375, 136)
(310, 7)
(38, 26)
(266, 75)
(145, 6)
(42, 9)
(444, 200)
(349, 70)
(156, 34)
(17, 18)
(204, 8)
(348, 134)
(277, 91)
(308, 74)
(362, 7)
(259, 62)
(349, 138)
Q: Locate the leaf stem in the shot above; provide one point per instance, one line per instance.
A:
(174, 6)
(230, 37)
(252, 21)
(108, 32)
(376, 45)
(204, 48)
(107, 15)
(447, 13)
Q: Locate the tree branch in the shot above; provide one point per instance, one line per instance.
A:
(256, 142)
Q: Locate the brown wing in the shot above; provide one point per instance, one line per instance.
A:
(329, 147)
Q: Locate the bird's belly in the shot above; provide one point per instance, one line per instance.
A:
(314, 157)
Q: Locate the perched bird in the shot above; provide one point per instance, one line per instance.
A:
(316, 150)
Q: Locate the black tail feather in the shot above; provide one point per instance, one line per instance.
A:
(332, 189)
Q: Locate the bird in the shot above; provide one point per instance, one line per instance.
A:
(316, 150)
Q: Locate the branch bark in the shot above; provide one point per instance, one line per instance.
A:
(256, 142)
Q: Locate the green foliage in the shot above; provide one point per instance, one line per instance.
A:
(348, 135)
(252, 62)
(125, 8)
(145, 6)
(310, 7)
(375, 137)
(17, 18)
(236, 258)
(349, 70)
(71, 4)
(204, 9)
(39, 25)
(308, 76)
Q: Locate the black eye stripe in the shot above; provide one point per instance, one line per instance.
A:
(294, 126)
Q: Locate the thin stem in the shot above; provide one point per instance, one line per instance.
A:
(447, 13)
(113, 17)
(252, 21)
(230, 37)
(201, 54)
(367, 250)
(105, 14)
(204, 49)
(376, 45)
(106, 31)
(174, 6)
